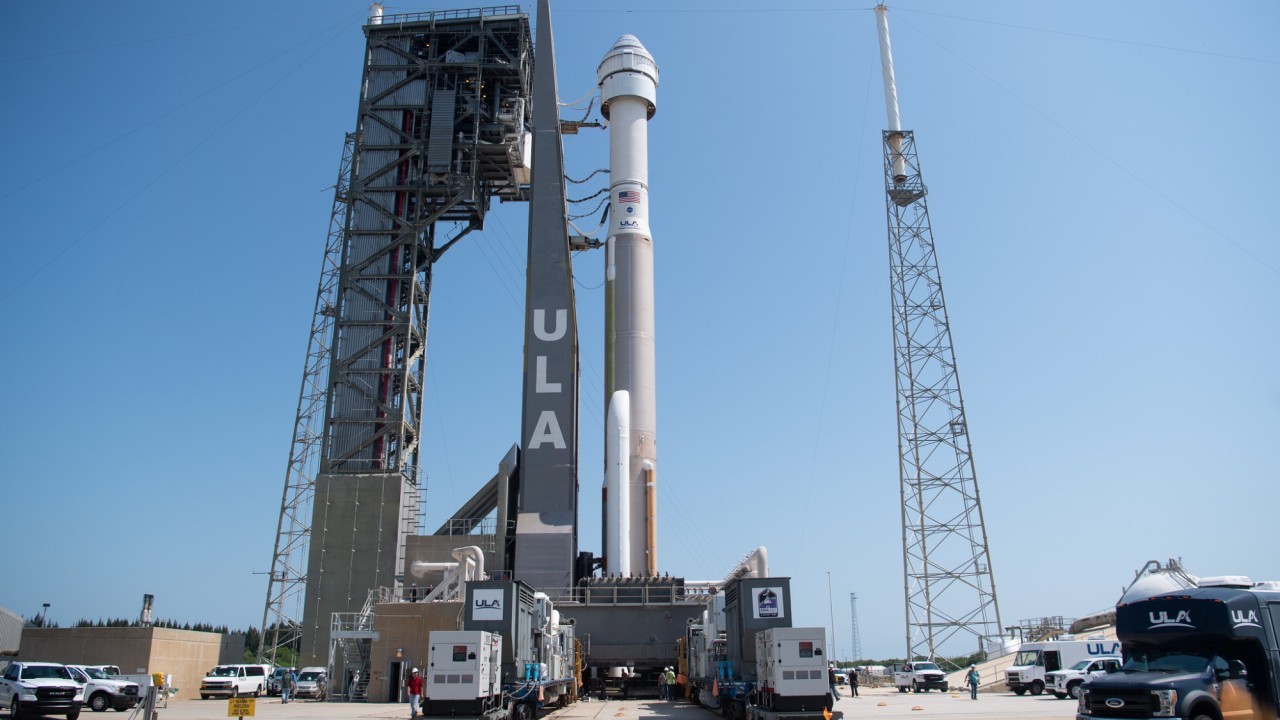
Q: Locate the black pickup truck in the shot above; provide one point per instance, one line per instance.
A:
(1202, 654)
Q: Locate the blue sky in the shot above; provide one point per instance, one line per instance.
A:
(1102, 189)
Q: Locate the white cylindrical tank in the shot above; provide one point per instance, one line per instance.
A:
(628, 79)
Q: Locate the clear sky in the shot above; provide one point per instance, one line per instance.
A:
(1102, 185)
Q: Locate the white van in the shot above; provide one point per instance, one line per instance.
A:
(234, 681)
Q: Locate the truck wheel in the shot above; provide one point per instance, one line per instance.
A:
(1060, 696)
(1074, 690)
(235, 692)
(1037, 687)
(204, 697)
(1020, 692)
(73, 714)
(98, 703)
(15, 710)
(902, 688)
(915, 687)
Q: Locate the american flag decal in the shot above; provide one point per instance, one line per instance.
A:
(629, 196)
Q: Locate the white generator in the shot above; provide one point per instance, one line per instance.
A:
(791, 669)
(463, 672)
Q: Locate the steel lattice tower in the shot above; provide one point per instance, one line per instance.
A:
(857, 634)
(948, 584)
(282, 615)
(443, 106)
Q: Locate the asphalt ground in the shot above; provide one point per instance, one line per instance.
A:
(879, 703)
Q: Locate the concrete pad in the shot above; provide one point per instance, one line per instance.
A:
(897, 706)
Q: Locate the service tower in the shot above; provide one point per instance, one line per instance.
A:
(628, 96)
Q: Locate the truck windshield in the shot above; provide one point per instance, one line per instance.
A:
(1169, 660)
(304, 677)
(96, 674)
(1027, 657)
(223, 671)
(926, 666)
(34, 672)
(1081, 665)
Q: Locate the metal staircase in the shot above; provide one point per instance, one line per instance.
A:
(351, 647)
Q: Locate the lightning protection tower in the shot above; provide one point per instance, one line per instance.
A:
(857, 634)
(949, 588)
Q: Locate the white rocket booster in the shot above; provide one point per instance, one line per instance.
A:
(628, 93)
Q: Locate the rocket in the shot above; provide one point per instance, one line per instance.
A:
(628, 79)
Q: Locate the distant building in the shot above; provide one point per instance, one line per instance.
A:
(186, 655)
(10, 632)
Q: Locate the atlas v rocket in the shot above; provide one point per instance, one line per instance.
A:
(628, 94)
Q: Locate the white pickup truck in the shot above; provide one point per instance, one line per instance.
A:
(38, 688)
(102, 691)
(1066, 683)
(920, 676)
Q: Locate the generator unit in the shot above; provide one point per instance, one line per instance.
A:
(536, 656)
(791, 669)
(463, 675)
(750, 606)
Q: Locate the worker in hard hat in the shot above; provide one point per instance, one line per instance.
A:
(415, 693)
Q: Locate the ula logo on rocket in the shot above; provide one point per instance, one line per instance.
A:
(631, 224)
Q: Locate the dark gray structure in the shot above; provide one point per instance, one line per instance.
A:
(752, 605)
(505, 608)
(546, 522)
(632, 622)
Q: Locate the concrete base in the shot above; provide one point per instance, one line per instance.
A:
(355, 538)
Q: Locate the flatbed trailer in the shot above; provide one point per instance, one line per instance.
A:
(755, 712)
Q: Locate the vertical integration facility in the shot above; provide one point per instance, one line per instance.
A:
(440, 131)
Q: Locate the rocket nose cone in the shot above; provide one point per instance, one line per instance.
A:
(628, 53)
(628, 41)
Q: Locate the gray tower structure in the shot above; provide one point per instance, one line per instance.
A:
(546, 521)
(857, 633)
(440, 131)
(949, 588)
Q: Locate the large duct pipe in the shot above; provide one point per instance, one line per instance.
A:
(475, 554)
(890, 95)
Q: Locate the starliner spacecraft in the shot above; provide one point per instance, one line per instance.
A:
(628, 79)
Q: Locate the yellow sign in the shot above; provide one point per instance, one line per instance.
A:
(240, 707)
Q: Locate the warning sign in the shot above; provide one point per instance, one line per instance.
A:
(240, 707)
